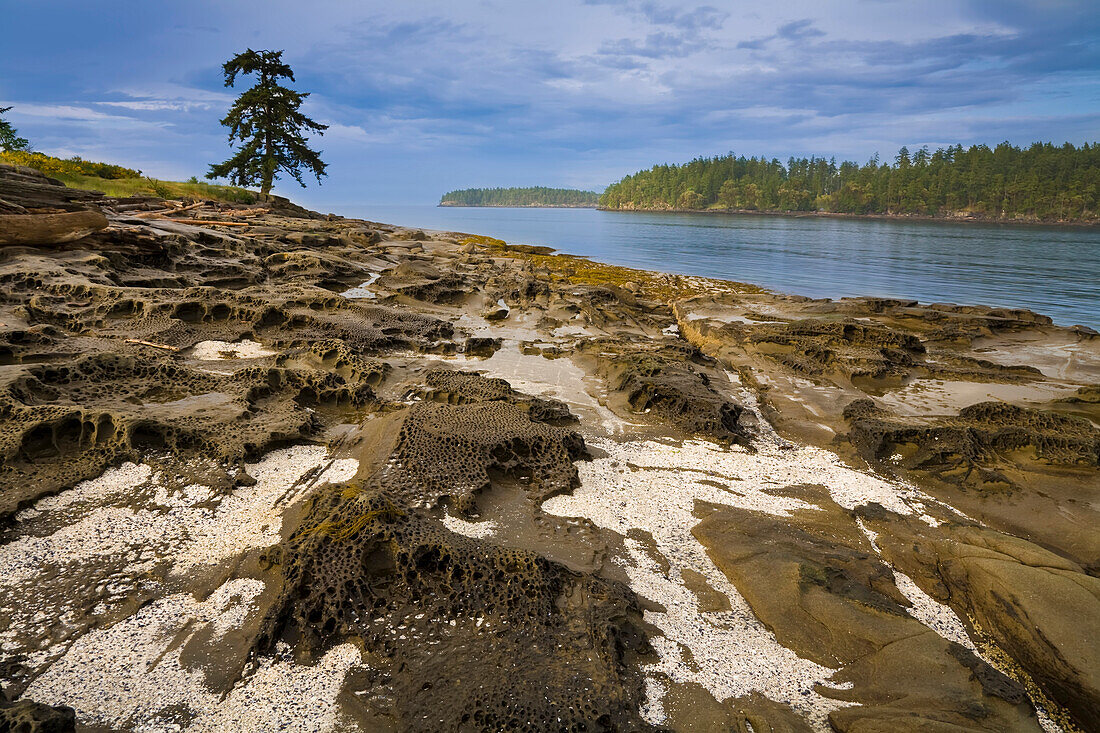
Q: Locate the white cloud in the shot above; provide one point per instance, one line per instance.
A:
(61, 112)
(158, 105)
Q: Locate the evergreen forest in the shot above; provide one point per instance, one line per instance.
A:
(1042, 182)
(533, 196)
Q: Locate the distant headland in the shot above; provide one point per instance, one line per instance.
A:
(534, 196)
(1042, 183)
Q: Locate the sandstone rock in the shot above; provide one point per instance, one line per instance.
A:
(30, 189)
(663, 381)
(25, 716)
(972, 448)
(816, 582)
(1035, 605)
(484, 346)
(560, 649)
(46, 229)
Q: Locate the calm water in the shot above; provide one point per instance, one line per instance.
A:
(1055, 271)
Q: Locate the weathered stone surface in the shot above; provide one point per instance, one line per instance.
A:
(968, 449)
(28, 188)
(45, 229)
(26, 716)
(472, 604)
(1036, 605)
(669, 383)
(816, 582)
(563, 647)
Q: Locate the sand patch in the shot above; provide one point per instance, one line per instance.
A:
(130, 674)
(362, 291)
(225, 350)
(653, 487)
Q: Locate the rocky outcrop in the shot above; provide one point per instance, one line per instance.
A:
(817, 583)
(458, 388)
(23, 189)
(465, 576)
(669, 383)
(972, 448)
(26, 716)
(492, 638)
(134, 300)
(987, 408)
(1029, 601)
(62, 424)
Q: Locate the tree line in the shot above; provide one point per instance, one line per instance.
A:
(532, 196)
(1043, 182)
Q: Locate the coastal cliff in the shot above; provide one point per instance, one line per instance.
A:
(262, 467)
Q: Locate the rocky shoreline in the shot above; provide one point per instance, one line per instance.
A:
(264, 468)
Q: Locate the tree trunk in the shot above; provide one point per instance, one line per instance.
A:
(268, 178)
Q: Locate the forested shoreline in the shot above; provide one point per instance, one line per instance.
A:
(1043, 182)
(531, 196)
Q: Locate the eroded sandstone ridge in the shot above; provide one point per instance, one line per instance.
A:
(262, 468)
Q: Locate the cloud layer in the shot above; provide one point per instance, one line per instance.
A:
(427, 96)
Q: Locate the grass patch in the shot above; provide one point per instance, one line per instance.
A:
(55, 167)
(123, 187)
(120, 182)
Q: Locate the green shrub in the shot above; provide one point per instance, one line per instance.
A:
(159, 188)
(52, 166)
(115, 180)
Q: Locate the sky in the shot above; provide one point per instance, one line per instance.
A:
(425, 96)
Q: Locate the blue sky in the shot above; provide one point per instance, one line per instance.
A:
(423, 96)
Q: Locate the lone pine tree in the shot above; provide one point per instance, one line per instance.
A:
(266, 121)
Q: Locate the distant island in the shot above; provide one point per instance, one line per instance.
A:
(535, 196)
(1041, 183)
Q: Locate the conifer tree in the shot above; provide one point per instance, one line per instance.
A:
(266, 121)
(9, 137)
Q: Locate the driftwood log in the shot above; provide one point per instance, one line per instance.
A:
(39, 229)
(155, 345)
(162, 213)
(210, 222)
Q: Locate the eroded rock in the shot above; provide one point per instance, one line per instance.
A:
(816, 581)
(1029, 601)
(669, 383)
(465, 633)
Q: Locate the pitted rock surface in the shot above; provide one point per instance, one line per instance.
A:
(968, 449)
(669, 381)
(461, 388)
(490, 639)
